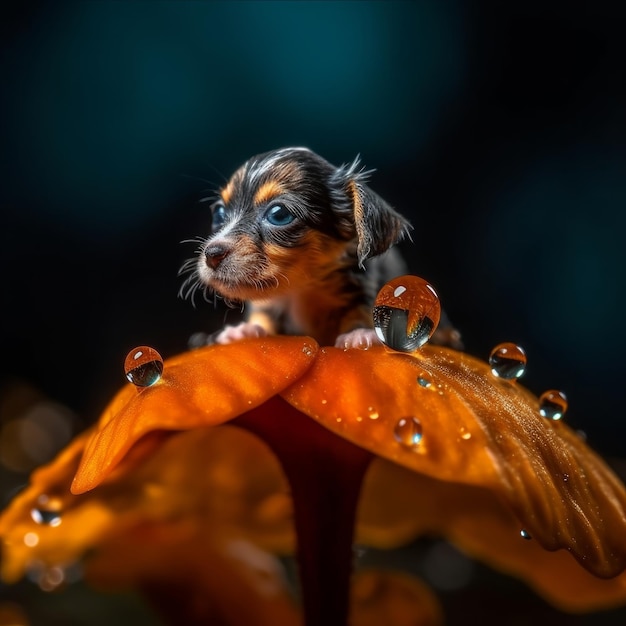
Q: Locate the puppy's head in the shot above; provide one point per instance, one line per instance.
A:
(284, 218)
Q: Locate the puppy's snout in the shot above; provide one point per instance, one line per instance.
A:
(215, 253)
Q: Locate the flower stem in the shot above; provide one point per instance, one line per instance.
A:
(325, 473)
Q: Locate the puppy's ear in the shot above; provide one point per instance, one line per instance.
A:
(376, 224)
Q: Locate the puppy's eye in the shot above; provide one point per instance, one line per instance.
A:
(219, 217)
(278, 215)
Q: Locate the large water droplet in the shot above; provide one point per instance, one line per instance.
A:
(406, 313)
(143, 366)
(408, 431)
(552, 404)
(508, 361)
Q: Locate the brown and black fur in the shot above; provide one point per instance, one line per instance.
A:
(318, 270)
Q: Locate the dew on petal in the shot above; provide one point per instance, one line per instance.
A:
(524, 534)
(406, 313)
(408, 431)
(465, 434)
(143, 366)
(45, 518)
(508, 361)
(552, 404)
(47, 512)
(423, 382)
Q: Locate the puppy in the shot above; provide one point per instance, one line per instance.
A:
(304, 244)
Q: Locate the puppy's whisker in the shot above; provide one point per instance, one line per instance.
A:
(190, 265)
(200, 240)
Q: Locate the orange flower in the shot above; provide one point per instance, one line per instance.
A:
(427, 442)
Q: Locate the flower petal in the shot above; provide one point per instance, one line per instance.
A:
(393, 599)
(223, 482)
(475, 429)
(205, 387)
(398, 505)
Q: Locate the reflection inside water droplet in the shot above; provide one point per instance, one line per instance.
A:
(508, 361)
(423, 382)
(406, 313)
(524, 534)
(552, 404)
(143, 366)
(408, 431)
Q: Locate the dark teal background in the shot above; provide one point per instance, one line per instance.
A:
(498, 128)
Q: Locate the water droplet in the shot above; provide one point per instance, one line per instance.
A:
(47, 512)
(307, 350)
(406, 313)
(374, 415)
(46, 517)
(524, 534)
(552, 404)
(465, 434)
(408, 431)
(508, 361)
(423, 382)
(143, 366)
(565, 477)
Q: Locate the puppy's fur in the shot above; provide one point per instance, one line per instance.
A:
(298, 240)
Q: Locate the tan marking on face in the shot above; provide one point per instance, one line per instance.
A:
(227, 192)
(267, 191)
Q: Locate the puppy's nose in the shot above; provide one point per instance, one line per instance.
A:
(215, 254)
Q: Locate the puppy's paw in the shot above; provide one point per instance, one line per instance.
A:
(245, 330)
(361, 338)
